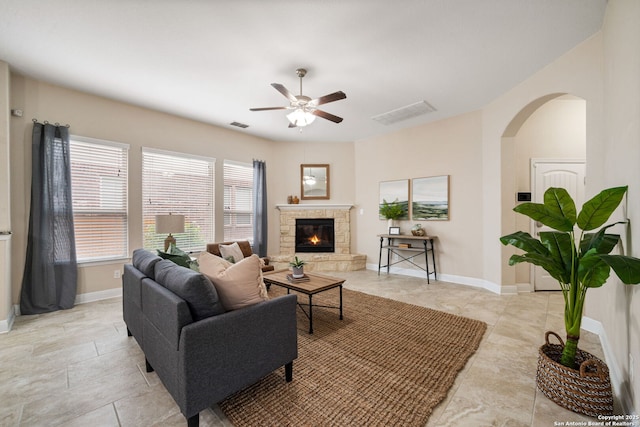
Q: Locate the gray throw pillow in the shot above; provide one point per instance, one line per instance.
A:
(145, 261)
(193, 287)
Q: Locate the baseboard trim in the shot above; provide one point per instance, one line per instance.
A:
(7, 324)
(84, 298)
(98, 295)
(459, 280)
(618, 383)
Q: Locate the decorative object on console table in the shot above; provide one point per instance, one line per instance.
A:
(417, 230)
(297, 267)
(394, 230)
(578, 263)
(169, 224)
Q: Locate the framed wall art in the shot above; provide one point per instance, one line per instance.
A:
(430, 198)
(394, 199)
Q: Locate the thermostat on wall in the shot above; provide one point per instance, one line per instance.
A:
(523, 197)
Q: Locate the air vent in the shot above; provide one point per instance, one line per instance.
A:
(238, 124)
(404, 113)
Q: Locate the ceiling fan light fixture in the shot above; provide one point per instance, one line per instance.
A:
(301, 118)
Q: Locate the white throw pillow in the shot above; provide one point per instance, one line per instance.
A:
(231, 252)
(238, 285)
(211, 262)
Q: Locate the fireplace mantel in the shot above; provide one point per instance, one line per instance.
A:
(298, 206)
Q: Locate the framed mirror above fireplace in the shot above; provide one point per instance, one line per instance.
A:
(314, 182)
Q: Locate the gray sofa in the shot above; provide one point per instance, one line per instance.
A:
(201, 353)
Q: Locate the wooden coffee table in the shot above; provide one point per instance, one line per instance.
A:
(317, 283)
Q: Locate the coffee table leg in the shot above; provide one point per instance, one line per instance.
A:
(340, 302)
(310, 315)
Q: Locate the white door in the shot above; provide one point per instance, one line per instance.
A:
(567, 174)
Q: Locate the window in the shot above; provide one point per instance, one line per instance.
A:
(99, 191)
(179, 184)
(238, 201)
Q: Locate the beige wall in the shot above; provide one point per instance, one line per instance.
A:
(618, 306)
(447, 147)
(98, 117)
(579, 73)
(556, 130)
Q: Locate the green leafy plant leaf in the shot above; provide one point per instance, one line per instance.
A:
(596, 211)
(540, 212)
(561, 249)
(626, 268)
(524, 241)
(593, 272)
(603, 242)
(560, 204)
(549, 264)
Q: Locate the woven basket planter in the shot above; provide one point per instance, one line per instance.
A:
(586, 390)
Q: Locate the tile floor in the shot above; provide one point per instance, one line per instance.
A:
(78, 367)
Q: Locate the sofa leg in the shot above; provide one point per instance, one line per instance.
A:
(148, 365)
(193, 421)
(288, 372)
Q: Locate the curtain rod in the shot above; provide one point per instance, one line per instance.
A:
(46, 123)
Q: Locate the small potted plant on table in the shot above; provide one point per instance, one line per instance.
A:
(297, 267)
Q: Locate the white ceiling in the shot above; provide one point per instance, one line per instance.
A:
(213, 60)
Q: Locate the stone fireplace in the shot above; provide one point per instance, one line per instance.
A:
(340, 259)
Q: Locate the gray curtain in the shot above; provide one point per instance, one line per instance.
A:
(50, 273)
(260, 227)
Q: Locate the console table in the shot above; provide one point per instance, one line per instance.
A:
(392, 247)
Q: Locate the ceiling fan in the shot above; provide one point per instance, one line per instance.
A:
(304, 108)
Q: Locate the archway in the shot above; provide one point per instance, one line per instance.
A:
(551, 127)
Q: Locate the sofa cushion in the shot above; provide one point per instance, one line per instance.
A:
(239, 285)
(195, 288)
(145, 261)
(231, 252)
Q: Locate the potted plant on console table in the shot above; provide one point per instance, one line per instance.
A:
(567, 375)
(392, 211)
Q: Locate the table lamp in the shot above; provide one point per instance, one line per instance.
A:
(169, 224)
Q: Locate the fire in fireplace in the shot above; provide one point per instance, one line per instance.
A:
(315, 235)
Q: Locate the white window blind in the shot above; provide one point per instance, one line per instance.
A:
(179, 184)
(99, 192)
(238, 201)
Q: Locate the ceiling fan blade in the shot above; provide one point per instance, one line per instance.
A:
(283, 90)
(327, 116)
(335, 96)
(268, 108)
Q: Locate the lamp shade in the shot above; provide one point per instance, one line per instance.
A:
(169, 224)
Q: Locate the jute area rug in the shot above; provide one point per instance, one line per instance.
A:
(387, 363)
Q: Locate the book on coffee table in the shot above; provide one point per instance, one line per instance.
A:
(292, 279)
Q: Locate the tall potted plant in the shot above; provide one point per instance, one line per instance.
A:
(577, 261)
